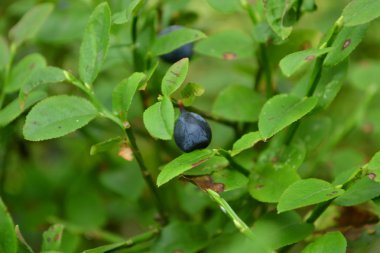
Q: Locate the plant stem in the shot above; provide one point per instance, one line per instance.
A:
(234, 164)
(299, 6)
(315, 75)
(146, 174)
(92, 233)
(318, 211)
(264, 65)
(136, 240)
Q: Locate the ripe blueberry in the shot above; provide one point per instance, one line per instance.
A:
(186, 51)
(191, 132)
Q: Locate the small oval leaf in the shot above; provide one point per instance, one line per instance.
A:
(245, 142)
(291, 63)
(227, 45)
(8, 242)
(174, 77)
(246, 110)
(307, 192)
(345, 42)
(124, 92)
(94, 47)
(175, 39)
(333, 242)
(30, 23)
(159, 119)
(182, 164)
(360, 12)
(57, 116)
(282, 110)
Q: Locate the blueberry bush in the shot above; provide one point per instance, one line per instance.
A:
(184, 126)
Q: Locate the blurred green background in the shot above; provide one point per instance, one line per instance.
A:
(58, 181)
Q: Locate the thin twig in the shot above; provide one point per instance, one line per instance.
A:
(147, 175)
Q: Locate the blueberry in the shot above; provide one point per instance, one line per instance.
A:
(186, 51)
(191, 132)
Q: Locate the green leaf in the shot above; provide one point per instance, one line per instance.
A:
(168, 115)
(8, 242)
(43, 76)
(190, 92)
(30, 23)
(159, 119)
(57, 116)
(124, 92)
(230, 178)
(275, 13)
(105, 146)
(360, 12)
(23, 246)
(52, 238)
(245, 142)
(182, 164)
(291, 63)
(21, 73)
(330, 84)
(345, 42)
(174, 77)
(179, 235)
(128, 13)
(226, 6)
(374, 166)
(292, 155)
(208, 167)
(227, 45)
(14, 109)
(279, 230)
(4, 52)
(95, 43)
(176, 39)
(307, 192)
(281, 111)
(267, 182)
(246, 110)
(333, 242)
(359, 192)
(314, 130)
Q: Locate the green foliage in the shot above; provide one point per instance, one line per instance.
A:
(175, 39)
(282, 110)
(293, 62)
(360, 12)
(30, 23)
(183, 163)
(330, 243)
(307, 192)
(159, 119)
(227, 45)
(174, 77)
(292, 101)
(247, 110)
(57, 116)
(8, 242)
(95, 43)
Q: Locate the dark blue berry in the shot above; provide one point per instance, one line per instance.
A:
(191, 132)
(186, 51)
